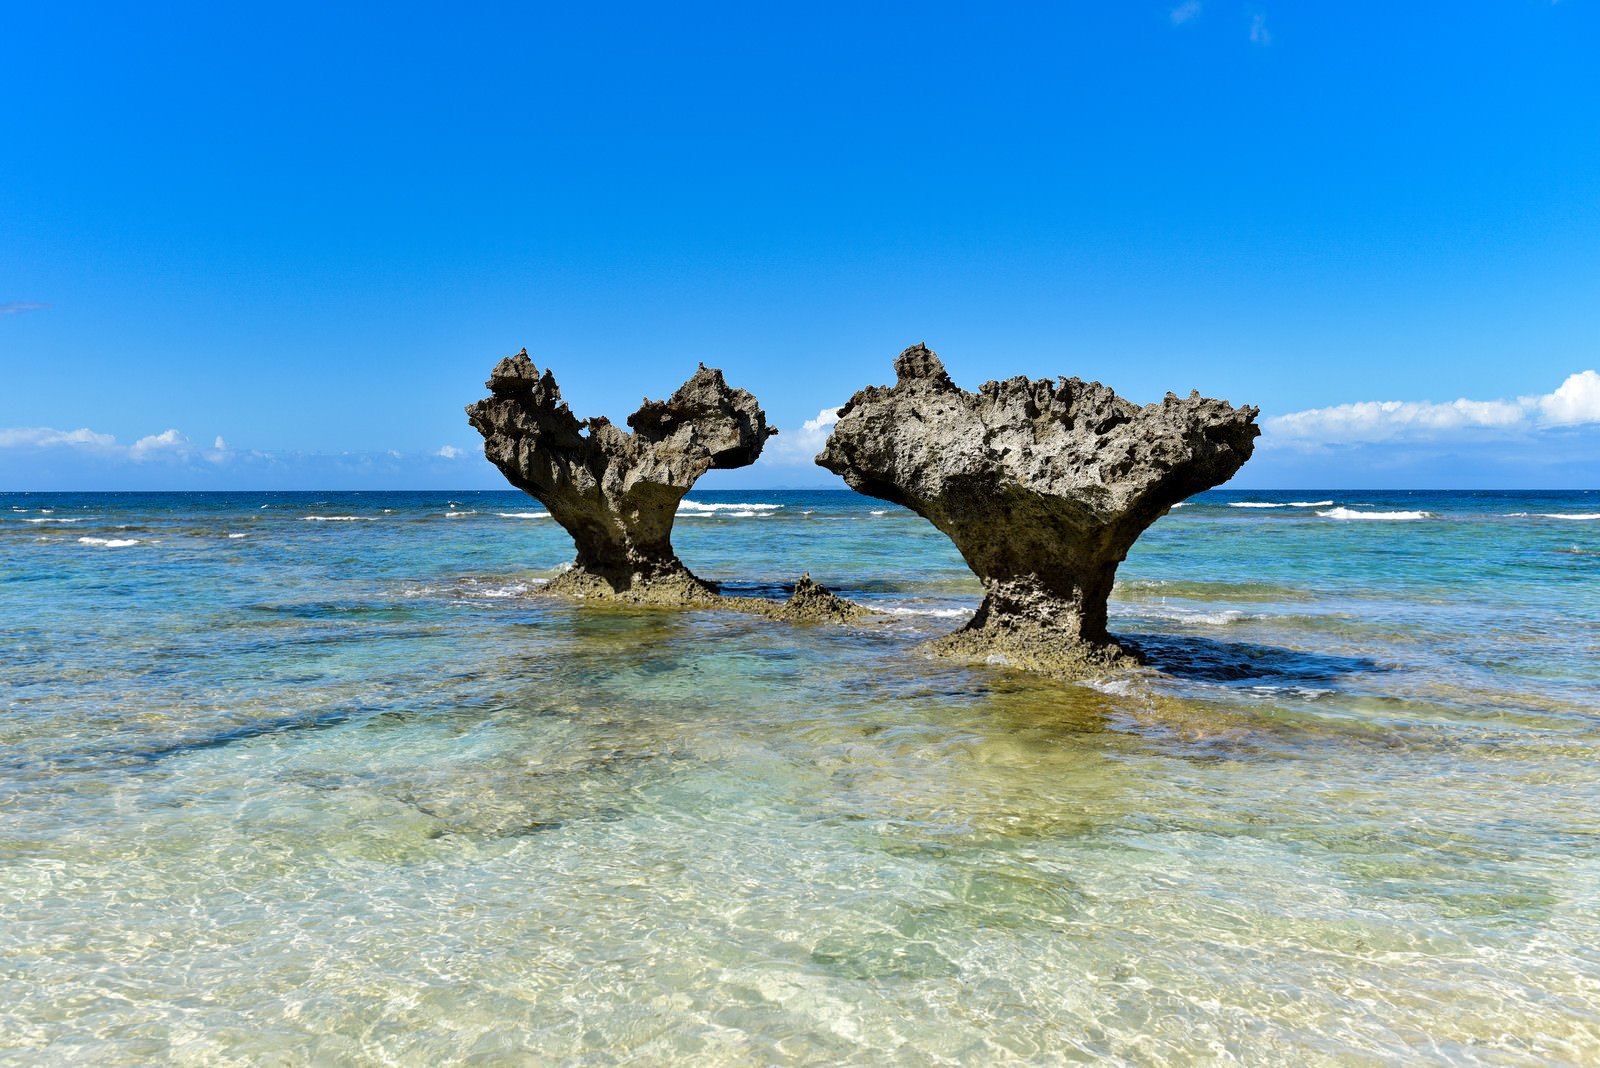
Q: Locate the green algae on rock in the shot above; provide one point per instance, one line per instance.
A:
(1042, 485)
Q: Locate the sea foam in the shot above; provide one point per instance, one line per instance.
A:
(523, 515)
(687, 507)
(1350, 513)
(110, 543)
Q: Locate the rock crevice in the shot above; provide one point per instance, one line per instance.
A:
(1043, 485)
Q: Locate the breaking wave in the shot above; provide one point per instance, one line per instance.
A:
(110, 543)
(523, 515)
(338, 518)
(938, 613)
(1350, 513)
(687, 507)
(1219, 618)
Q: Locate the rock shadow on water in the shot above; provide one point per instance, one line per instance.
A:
(1211, 660)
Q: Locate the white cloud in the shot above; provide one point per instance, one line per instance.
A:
(1184, 12)
(17, 307)
(1259, 32)
(168, 442)
(44, 458)
(1576, 401)
(801, 446)
(43, 437)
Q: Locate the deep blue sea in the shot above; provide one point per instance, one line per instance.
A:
(320, 779)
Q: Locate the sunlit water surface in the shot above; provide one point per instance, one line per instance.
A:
(292, 779)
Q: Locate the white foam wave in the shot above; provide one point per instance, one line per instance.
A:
(1219, 618)
(337, 518)
(687, 507)
(1309, 504)
(880, 513)
(1255, 504)
(511, 590)
(110, 543)
(238, 535)
(1350, 513)
(1116, 687)
(939, 613)
(1569, 515)
(523, 515)
(456, 515)
(76, 519)
(1181, 504)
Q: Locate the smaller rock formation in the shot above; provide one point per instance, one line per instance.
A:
(617, 493)
(1043, 486)
(812, 602)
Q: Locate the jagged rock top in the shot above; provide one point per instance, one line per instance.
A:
(703, 418)
(1058, 437)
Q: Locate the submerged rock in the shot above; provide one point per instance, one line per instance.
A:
(617, 493)
(1043, 486)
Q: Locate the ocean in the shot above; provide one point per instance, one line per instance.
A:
(318, 778)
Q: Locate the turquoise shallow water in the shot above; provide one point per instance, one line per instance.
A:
(307, 779)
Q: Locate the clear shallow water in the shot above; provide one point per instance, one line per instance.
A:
(288, 790)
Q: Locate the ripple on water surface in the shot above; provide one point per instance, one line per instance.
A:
(352, 794)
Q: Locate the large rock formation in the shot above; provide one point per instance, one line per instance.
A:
(1042, 485)
(616, 493)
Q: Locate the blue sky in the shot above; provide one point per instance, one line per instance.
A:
(282, 247)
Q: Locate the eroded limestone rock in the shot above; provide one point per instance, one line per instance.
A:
(617, 493)
(1043, 486)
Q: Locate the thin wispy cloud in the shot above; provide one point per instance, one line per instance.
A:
(1259, 34)
(43, 437)
(1576, 402)
(17, 307)
(43, 457)
(1184, 12)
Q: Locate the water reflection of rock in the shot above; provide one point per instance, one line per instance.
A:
(1042, 485)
